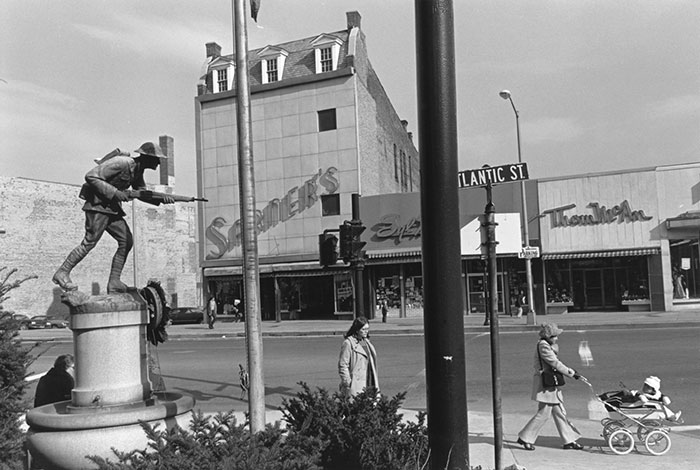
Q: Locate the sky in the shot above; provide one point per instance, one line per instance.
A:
(599, 85)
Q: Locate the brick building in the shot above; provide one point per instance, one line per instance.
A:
(42, 221)
(323, 128)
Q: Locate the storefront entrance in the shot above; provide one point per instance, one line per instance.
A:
(597, 283)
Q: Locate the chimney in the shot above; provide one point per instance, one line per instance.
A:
(167, 166)
(213, 50)
(354, 19)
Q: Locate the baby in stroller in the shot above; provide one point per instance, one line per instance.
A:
(650, 397)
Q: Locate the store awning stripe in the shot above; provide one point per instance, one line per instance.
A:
(375, 254)
(602, 254)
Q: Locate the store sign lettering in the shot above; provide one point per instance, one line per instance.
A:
(599, 215)
(390, 226)
(295, 201)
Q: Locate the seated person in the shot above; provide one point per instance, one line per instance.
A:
(58, 382)
(651, 395)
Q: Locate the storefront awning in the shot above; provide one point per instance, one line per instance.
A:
(602, 254)
(279, 269)
(685, 220)
(395, 253)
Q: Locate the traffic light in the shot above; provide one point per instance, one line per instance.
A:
(346, 241)
(350, 243)
(328, 249)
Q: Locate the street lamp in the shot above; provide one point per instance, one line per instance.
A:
(531, 315)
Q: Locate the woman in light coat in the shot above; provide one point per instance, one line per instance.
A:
(550, 400)
(357, 364)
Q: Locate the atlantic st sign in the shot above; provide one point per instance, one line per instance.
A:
(493, 175)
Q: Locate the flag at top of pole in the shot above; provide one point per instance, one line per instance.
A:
(254, 8)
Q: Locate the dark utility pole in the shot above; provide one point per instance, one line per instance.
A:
(358, 260)
(490, 227)
(443, 290)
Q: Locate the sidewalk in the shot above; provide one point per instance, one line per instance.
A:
(549, 455)
(414, 325)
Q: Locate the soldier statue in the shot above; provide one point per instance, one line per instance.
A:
(106, 187)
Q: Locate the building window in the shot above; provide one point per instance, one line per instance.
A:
(410, 174)
(330, 204)
(396, 164)
(326, 120)
(222, 79)
(272, 70)
(326, 52)
(326, 59)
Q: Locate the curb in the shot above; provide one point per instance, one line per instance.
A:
(402, 331)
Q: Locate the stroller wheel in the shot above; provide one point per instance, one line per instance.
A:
(646, 426)
(621, 441)
(611, 426)
(657, 442)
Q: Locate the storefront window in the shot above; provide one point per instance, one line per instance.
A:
(343, 294)
(597, 283)
(685, 270)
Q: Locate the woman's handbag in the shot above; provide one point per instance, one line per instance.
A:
(550, 378)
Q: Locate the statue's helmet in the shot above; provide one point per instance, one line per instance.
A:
(150, 149)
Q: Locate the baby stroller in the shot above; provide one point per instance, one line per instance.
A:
(649, 419)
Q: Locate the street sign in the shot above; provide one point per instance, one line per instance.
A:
(529, 252)
(493, 175)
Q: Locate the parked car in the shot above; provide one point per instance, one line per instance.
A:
(181, 315)
(40, 321)
(56, 323)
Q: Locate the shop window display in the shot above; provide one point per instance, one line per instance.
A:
(685, 269)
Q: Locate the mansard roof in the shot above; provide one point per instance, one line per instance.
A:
(300, 60)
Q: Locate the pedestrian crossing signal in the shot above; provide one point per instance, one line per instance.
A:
(328, 249)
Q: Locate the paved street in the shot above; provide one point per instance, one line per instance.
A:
(203, 363)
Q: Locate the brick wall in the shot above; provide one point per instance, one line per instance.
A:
(43, 222)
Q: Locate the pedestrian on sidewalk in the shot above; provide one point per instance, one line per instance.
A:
(211, 311)
(357, 364)
(58, 382)
(385, 310)
(549, 398)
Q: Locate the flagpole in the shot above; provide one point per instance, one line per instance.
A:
(246, 180)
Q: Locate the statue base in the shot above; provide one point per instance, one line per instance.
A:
(112, 392)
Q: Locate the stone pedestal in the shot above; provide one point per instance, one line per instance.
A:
(112, 390)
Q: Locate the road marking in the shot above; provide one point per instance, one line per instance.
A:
(184, 352)
(694, 427)
(416, 383)
(32, 378)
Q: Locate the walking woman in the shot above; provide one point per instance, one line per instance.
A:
(357, 364)
(550, 399)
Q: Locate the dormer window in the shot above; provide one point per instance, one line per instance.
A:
(221, 74)
(326, 59)
(327, 52)
(272, 63)
(222, 79)
(272, 70)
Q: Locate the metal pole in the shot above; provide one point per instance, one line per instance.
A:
(358, 264)
(246, 180)
(531, 315)
(443, 319)
(490, 223)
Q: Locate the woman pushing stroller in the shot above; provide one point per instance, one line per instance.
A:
(549, 398)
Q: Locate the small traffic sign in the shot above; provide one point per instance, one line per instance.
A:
(529, 252)
(493, 175)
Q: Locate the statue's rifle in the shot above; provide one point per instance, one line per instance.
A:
(156, 198)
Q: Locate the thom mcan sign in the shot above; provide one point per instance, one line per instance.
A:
(599, 215)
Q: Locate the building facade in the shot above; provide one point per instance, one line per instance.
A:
(623, 240)
(323, 129)
(42, 221)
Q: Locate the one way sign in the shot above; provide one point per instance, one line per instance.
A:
(493, 175)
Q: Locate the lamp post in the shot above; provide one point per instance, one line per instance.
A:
(531, 315)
